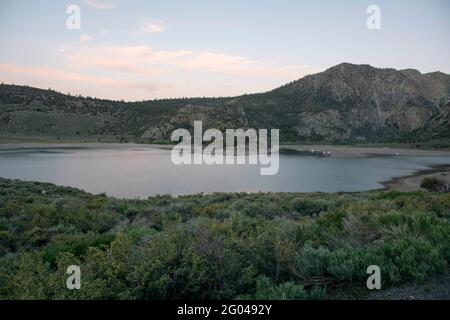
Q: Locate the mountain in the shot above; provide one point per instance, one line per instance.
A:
(346, 103)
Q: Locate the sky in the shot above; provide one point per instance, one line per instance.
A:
(139, 50)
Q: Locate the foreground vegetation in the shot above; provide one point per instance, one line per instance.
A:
(223, 245)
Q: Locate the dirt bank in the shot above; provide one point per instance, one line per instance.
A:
(412, 182)
(362, 152)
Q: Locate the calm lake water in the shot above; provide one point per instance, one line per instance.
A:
(142, 171)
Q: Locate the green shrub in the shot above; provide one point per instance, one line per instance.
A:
(308, 206)
(219, 246)
(266, 290)
(434, 184)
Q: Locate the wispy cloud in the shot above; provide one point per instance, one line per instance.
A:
(143, 59)
(100, 5)
(151, 27)
(141, 72)
(84, 38)
(68, 81)
(60, 74)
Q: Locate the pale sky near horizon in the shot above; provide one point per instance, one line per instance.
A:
(138, 50)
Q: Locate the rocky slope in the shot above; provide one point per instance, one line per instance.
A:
(346, 103)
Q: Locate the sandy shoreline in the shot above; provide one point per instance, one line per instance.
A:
(412, 182)
(87, 145)
(336, 151)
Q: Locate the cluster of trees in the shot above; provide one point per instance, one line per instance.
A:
(223, 245)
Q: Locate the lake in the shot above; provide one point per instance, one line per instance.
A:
(133, 171)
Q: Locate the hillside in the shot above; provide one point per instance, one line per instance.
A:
(346, 103)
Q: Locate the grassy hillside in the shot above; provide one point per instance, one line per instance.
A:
(223, 245)
(344, 104)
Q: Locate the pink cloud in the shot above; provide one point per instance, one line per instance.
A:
(152, 27)
(58, 74)
(140, 72)
(67, 81)
(144, 60)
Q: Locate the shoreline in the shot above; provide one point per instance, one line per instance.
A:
(78, 146)
(332, 151)
(410, 183)
(342, 151)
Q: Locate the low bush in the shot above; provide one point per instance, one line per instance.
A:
(434, 184)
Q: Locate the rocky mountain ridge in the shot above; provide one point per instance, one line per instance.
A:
(345, 103)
